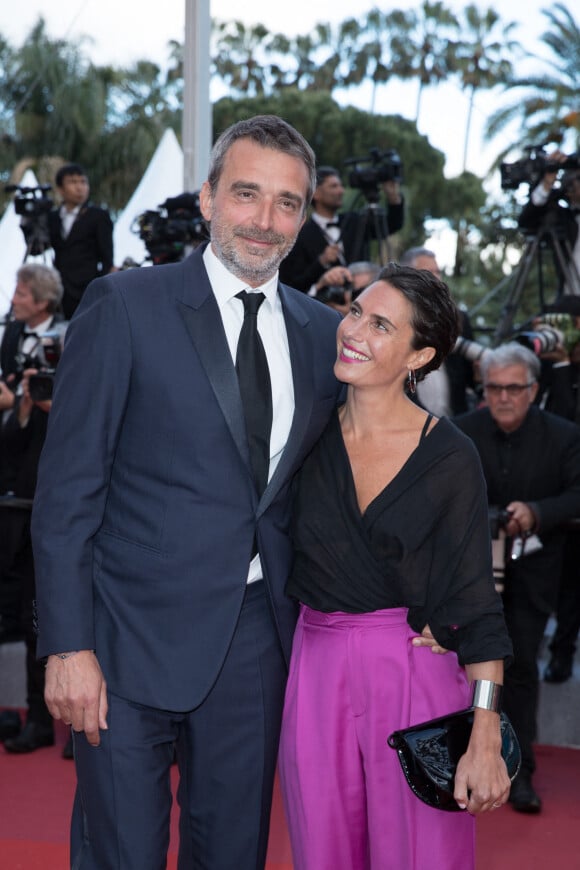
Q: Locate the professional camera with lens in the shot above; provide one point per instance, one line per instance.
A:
(498, 520)
(336, 293)
(44, 357)
(169, 230)
(531, 168)
(33, 205)
(471, 350)
(369, 172)
(554, 329)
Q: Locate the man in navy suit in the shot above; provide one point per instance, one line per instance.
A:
(164, 629)
(81, 235)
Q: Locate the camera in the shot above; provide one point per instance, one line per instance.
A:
(169, 229)
(498, 520)
(44, 358)
(542, 339)
(33, 205)
(336, 293)
(531, 168)
(471, 350)
(553, 330)
(368, 172)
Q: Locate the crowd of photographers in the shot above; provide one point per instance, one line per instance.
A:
(505, 399)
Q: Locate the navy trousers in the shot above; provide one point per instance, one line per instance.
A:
(226, 752)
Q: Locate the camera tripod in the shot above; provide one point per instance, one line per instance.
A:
(547, 238)
(371, 223)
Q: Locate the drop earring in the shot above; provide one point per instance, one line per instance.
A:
(412, 382)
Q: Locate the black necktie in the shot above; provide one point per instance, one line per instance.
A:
(255, 388)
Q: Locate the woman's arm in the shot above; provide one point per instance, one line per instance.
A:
(482, 782)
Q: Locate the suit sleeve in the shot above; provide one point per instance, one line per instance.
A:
(91, 389)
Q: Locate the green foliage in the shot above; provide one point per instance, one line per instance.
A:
(55, 105)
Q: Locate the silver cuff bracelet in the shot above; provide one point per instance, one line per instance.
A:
(487, 694)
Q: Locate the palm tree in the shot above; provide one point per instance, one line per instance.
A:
(482, 59)
(420, 45)
(239, 56)
(549, 109)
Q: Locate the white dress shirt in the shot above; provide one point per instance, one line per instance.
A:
(272, 329)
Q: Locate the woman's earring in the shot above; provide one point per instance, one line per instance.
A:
(412, 381)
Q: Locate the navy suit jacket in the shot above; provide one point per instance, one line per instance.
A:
(145, 508)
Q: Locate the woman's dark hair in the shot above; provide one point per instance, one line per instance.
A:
(435, 319)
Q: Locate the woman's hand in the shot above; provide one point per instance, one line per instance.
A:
(482, 782)
(426, 639)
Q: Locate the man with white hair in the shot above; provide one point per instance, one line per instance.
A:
(531, 463)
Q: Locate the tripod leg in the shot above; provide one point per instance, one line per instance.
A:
(504, 326)
(565, 260)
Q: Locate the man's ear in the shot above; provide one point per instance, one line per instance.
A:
(206, 201)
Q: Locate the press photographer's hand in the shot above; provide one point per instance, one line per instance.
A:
(6, 397)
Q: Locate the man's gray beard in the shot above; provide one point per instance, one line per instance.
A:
(254, 275)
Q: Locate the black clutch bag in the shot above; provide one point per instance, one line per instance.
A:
(429, 753)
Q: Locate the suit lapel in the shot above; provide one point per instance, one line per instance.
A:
(301, 360)
(203, 321)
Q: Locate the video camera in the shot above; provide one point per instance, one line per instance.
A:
(531, 168)
(369, 172)
(169, 229)
(44, 357)
(33, 206)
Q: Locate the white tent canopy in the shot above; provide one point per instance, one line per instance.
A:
(13, 248)
(162, 178)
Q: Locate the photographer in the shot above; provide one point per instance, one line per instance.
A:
(531, 463)
(560, 393)
(557, 209)
(36, 299)
(341, 284)
(331, 238)
(81, 235)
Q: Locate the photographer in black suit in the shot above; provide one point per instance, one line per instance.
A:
(331, 238)
(555, 209)
(81, 235)
(23, 351)
(531, 463)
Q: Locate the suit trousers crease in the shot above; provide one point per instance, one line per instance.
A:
(226, 754)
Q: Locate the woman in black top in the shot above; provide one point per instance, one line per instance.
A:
(392, 541)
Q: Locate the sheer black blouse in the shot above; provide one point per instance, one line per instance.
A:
(423, 543)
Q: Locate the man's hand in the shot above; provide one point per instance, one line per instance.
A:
(6, 397)
(426, 639)
(522, 519)
(330, 256)
(76, 692)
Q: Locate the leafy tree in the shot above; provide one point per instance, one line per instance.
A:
(483, 57)
(546, 105)
(421, 45)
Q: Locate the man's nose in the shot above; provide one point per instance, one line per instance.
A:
(264, 213)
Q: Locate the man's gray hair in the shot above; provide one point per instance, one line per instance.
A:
(409, 256)
(269, 131)
(361, 267)
(510, 354)
(44, 282)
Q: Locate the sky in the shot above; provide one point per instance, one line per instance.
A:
(122, 31)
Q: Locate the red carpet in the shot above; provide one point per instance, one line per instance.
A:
(36, 795)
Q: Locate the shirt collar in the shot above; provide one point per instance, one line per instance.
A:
(225, 285)
(323, 221)
(40, 329)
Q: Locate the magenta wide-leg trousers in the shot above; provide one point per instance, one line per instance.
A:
(353, 680)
